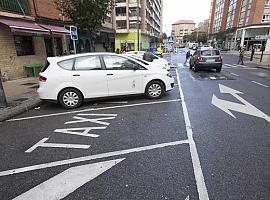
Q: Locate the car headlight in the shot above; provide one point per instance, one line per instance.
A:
(169, 74)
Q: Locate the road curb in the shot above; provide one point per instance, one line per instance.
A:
(8, 113)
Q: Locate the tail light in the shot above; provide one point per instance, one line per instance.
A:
(42, 78)
(200, 58)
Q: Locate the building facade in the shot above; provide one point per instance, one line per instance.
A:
(235, 23)
(32, 30)
(131, 26)
(182, 28)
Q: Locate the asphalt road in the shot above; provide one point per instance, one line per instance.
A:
(183, 146)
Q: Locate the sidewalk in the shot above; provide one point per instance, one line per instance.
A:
(21, 96)
(256, 59)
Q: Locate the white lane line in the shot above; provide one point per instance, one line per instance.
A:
(61, 185)
(260, 84)
(234, 74)
(116, 102)
(91, 157)
(93, 109)
(201, 187)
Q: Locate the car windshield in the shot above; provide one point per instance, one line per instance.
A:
(210, 53)
(140, 60)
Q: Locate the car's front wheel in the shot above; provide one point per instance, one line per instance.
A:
(218, 69)
(70, 98)
(154, 90)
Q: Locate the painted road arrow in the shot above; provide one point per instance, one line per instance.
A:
(61, 185)
(228, 106)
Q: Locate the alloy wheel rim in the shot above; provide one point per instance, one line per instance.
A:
(155, 90)
(71, 99)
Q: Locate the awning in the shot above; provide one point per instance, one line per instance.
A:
(24, 26)
(55, 29)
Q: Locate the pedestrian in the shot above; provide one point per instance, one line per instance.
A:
(241, 56)
(148, 56)
(252, 52)
(118, 51)
(187, 56)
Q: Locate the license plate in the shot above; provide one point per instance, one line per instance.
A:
(210, 60)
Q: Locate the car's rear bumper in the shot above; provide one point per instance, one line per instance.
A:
(214, 65)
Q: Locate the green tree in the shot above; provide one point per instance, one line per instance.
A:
(87, 15)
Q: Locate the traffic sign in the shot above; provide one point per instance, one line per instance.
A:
(170, 39)
(73, 32)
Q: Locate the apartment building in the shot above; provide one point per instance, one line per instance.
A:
(182, 28)
(241, 21)
(138, 23)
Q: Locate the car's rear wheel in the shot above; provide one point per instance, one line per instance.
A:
(218, 69)
(154, 90)
(70, 98)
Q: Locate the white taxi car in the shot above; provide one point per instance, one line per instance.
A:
(72, 79)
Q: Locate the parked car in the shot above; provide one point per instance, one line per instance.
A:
(151, 64)
(206, 59)
(158, 60)
(72, 79)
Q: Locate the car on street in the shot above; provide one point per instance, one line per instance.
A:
(158, 60)
(72, 79)
(206, 59)
(151, 64)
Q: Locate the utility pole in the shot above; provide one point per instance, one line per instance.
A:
(138, 24)
(3, 101)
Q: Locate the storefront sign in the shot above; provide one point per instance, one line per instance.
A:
(262, 37)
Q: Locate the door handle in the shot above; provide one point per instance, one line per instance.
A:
(76, 75)
(109, 74)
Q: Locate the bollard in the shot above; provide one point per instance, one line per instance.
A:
(3, 100)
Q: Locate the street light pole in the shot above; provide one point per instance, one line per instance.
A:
(138, 25)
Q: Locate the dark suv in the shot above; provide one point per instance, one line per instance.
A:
(206, 59)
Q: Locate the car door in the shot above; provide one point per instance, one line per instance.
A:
(121, 76)
(90, 77)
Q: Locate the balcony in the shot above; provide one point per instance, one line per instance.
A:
(19, 6)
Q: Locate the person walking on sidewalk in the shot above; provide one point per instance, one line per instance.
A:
(241, 56)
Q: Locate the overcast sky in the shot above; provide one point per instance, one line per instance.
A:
(174, 10)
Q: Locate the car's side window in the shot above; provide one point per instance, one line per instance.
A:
(66, 64)
(87, 63)
(118, 63)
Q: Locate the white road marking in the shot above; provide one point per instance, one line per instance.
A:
(42, 143)
(245, 108)
(95, 120)
(187, 198)
(213, 78)
(229, 65)
(201, 187)
(93, 109)
(260, 84)
(91, 157)
(116, 102)
(234, 74)
(61, 185)
(77, 131)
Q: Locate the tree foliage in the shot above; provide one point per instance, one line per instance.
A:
(202, 37)
(86, 14)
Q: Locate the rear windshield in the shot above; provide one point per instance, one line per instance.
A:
(45, 66)
(210, 53)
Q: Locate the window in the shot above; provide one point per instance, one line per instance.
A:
(67, 64)
(266, 18)
(87, 63)
(267, 3)
(24, 45)
(210, 53)
(118, 63)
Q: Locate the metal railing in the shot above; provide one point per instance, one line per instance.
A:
(19, 6)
